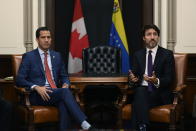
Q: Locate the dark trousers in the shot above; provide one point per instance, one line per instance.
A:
(5, 115)
(144, 100)
(64, 100)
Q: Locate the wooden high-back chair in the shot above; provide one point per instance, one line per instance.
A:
(103, 60)
(30, 116)
(172, 114)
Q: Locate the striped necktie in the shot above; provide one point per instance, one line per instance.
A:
(47, 72)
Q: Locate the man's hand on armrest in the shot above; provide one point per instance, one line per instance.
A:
(43, 92)
(33, 87)
(65, 85)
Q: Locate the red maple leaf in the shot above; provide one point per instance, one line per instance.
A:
(76, 44)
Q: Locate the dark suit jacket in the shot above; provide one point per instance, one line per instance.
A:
(31, 71)
(164, 66)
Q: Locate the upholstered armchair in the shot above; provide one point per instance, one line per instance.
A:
(171, 114)
(27, 115)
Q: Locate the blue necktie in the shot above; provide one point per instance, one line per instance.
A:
(150, 85)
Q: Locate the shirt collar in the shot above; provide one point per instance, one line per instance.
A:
(41, 52)
(154, 50)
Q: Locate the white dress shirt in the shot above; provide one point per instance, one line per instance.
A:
(153, 53)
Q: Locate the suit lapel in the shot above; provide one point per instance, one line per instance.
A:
(157, 58)
(52, 56)
(143, 61)
(38, 60)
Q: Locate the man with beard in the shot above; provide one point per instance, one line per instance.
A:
(151, 75)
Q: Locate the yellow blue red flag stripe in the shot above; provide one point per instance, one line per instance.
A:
(118, 36)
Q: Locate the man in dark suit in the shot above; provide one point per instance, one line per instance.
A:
(152, 75)
(42, 70)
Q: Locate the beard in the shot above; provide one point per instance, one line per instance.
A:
(151, 44)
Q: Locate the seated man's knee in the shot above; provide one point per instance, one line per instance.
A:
(141, 88)
(141, 91)
(65, 91)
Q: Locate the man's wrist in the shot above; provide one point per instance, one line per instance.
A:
(157, 83)
(65, 85)
(33, 87)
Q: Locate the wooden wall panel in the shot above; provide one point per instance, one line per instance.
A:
(5, 66)
(190, 91)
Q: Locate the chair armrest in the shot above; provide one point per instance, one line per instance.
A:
(22, 90)
(123, 99)
(178, 96)
(23, 95)
(179, 88)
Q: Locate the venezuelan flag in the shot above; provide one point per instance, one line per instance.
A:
(118, 37)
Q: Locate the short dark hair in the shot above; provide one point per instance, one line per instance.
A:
(151, 26)
(44, 28)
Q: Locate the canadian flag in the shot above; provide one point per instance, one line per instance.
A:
(78, 40)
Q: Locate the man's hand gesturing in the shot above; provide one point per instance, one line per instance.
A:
(132, 77)
(153, 79)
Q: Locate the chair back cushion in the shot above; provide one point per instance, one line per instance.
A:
(180, 66)
(102, 60)
(16, 60)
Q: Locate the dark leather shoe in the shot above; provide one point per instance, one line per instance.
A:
(142, 127)
(92, 129)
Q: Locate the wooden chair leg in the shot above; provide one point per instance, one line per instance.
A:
(31, 128)
(172, 127)
(172, 124)
(119, 122)
(182, 123)
(195, 124)
(31, 125)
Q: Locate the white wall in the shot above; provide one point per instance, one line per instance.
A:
(35, 21)
(11, 27)
(160, 19)
(13, 30)
(186, 26)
